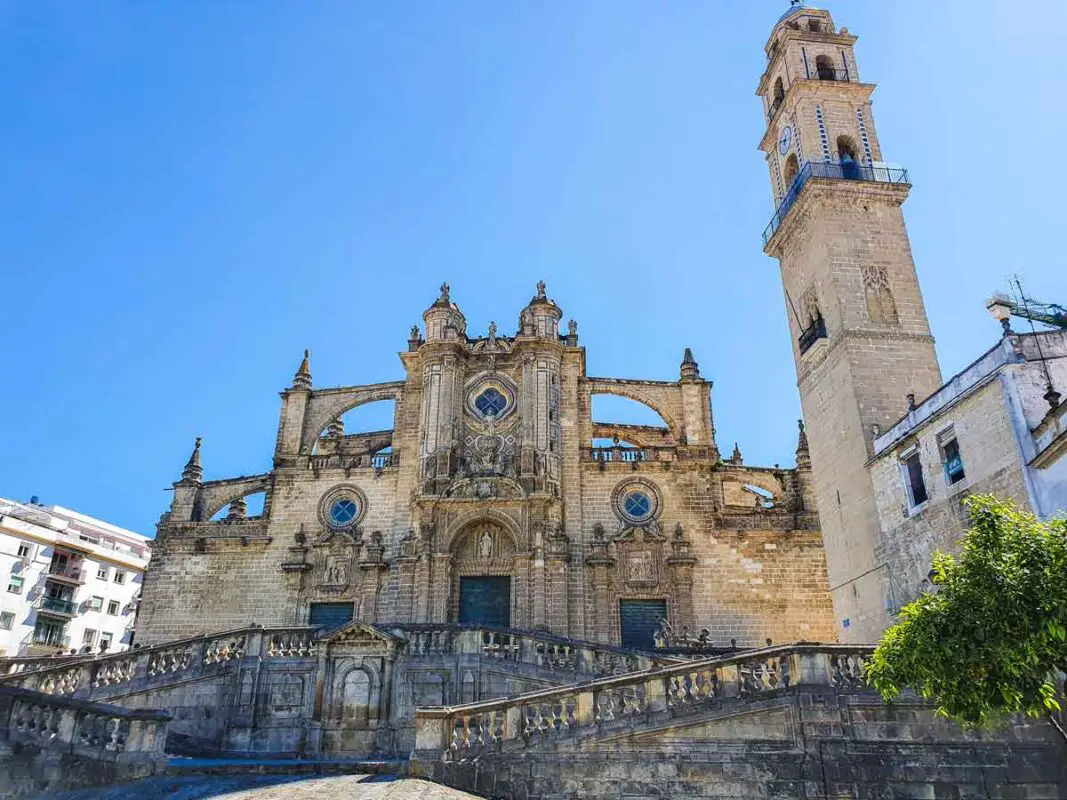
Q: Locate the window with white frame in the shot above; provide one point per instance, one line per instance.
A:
(120, 576)
(951, 458)
(914, 482)
(101, 573)
(105, 640)
(24, 550)
(7, 620)
(14, 584)
(96, 603)
(113, 607)
(89, 637)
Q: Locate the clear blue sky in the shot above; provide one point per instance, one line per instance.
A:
(195, 191)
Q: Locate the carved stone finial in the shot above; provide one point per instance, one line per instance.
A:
(492, 331)
(736, 457)
(193, 472)
(690, 370)
(572, 327)
(445, 297)
(238, 510)
(415, 334)
(302, 379)
(541, 286)
(911, 401)
(803, 457)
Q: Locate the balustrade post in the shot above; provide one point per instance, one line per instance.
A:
(656, 694)
(433, 732)
(731, 681)
(514, 723)
(255, 643)
(811, 669)
(68, 725)
(468, 641)
(585, 708)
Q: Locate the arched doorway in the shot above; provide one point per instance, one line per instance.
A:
(483, 555)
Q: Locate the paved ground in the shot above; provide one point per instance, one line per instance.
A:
(271, 787)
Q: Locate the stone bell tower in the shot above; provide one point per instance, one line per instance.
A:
(860, 335)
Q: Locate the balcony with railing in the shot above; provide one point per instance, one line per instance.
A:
(814, 332)
(829, 74)
(375, 461)
(65, 573)
(844, 171)
(57, 607)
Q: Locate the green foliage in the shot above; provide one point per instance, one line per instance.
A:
(991, 638)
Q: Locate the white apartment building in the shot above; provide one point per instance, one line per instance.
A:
(68, 582)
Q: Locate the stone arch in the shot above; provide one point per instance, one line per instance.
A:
(462, 523)
(635, 394)
(326, 406)
(214, 496)
(356, 697)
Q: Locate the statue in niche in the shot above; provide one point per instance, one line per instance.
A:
(485, 544)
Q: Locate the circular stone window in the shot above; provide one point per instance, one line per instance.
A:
(491, 398)
(637, 501)
(491, 403)
(342, 508)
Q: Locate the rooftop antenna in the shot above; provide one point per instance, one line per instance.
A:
(1051, 395)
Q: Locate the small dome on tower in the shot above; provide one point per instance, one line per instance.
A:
(443, 319)
(541, 316)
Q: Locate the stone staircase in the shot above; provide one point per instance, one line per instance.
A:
(782, 722)
(254, 690)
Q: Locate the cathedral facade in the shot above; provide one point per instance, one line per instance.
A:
(496, 499)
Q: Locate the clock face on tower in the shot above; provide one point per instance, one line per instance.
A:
(784, 142)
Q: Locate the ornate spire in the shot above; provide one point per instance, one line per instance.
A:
(690, 370)
(736, 457)
(302, 379)
(193, 472)
(803, 458)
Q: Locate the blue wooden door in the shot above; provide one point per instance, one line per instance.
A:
(330, 616)
(640, 618)
(485, 601)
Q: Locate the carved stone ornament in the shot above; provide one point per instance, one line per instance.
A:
(487, 488)
(336, 571)
(642, 568)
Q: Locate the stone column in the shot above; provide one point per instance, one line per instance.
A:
(600, 566)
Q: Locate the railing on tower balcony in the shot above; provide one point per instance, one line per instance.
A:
(828, 74)
(846, 171)
(814, 332)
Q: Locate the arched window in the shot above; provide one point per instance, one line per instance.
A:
(846, 154)
(792, 169)
(824, 68)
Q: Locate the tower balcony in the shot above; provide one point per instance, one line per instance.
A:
(817, 170)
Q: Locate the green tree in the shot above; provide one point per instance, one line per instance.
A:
(991, 638)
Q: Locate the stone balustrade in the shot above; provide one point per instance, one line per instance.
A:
(13, 665)
(107, 742)
(466, 732)
(151, 665)
(529, 647)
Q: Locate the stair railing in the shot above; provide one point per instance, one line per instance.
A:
(463, 733)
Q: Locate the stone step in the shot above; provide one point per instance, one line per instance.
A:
(285, 766)
(270, 787)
